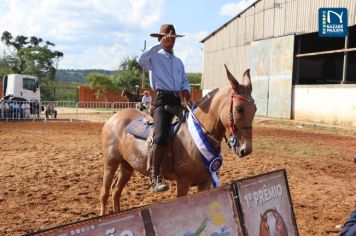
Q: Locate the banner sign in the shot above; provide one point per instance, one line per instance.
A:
(125, 224)
(265, 205)
(210, 213)
(259, 205)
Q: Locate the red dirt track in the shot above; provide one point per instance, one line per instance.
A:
(51, 173)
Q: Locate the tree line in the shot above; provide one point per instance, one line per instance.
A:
(128, 76)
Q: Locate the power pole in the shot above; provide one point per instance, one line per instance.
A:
(143, 70)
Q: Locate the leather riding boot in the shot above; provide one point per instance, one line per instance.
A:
(157, 182)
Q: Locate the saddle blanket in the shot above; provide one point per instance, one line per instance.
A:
(140, 128)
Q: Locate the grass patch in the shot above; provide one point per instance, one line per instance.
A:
(305, 150)
(331, 129)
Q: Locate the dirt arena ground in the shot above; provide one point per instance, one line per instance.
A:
(51, 173)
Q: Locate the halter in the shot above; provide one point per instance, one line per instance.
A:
(233, 141)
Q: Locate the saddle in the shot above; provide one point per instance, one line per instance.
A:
(142, 127)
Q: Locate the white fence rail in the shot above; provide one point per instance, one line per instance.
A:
(59, 110)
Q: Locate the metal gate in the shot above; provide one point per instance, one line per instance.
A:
(271, 73)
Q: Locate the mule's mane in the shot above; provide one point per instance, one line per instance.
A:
(207, 97)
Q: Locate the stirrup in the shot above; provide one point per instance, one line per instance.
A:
(158, 185)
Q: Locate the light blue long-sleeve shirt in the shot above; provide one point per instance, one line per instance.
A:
(166, 70)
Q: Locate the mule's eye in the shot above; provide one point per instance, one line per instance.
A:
(239, 110)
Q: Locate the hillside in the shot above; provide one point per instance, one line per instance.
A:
(77, 76)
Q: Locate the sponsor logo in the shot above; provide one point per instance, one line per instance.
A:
(332, 22)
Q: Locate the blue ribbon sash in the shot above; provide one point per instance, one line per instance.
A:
(211, 157)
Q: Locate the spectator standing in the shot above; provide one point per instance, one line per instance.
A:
(26, 110)
(7, 112)
(15, 110)
(2, 109)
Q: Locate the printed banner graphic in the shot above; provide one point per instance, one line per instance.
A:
(210, 213)
(265, 204)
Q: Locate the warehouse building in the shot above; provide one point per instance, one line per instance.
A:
(296, 73)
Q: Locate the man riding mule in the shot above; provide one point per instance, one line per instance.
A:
(168, 79)
(225, 112)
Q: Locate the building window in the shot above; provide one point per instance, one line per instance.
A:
(351, 59)
(29, 84)
(320, 60)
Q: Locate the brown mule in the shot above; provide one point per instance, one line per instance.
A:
(222, 112)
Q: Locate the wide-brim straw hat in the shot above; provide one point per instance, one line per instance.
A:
(166, 29)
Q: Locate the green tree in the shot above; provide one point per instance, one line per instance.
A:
(129, 74)
(39, 61)
(100, 83)
(194, 78)
(127, 77)
(5, 67)
(31, 56)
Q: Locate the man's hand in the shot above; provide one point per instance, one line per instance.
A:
(168, 41)
(185, 96)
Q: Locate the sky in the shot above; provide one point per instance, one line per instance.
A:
(96, 34)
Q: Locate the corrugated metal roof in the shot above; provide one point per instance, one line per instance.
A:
(274, 18)
(279, 19)
(224, 25)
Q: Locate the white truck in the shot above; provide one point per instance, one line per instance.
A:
(23, 88)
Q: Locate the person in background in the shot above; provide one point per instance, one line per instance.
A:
(169, 80)
(2, 109)
(146, 101)
(349, 228)
(15, 108)
(7, 110)
(50, 110)
(26, 110)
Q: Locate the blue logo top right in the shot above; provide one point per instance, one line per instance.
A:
(332, 22)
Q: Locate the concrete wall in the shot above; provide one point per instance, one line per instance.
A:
(330, 104)
(88, 94)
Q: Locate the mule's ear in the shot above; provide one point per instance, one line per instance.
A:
(234, 84)
(247, 80)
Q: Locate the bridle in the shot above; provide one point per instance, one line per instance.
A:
(232, 142)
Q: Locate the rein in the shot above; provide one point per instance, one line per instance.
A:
(202, 127)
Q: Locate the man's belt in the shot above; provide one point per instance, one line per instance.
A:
(167, 92)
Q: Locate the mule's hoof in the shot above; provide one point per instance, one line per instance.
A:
(159, 187)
